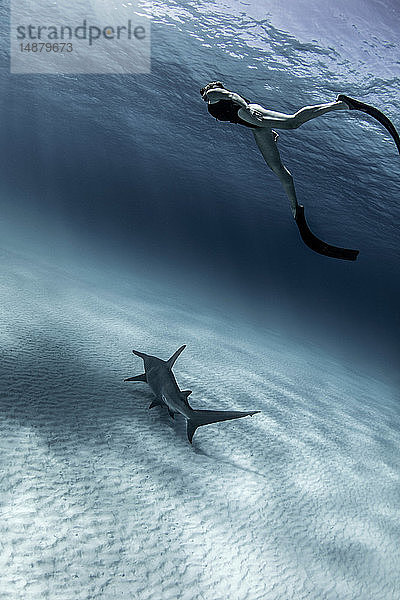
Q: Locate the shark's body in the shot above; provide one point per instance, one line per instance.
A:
(159, 376)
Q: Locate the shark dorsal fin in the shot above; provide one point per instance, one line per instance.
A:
(171, 361)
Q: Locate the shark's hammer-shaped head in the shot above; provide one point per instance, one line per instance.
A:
(149, 361)
(152, 361)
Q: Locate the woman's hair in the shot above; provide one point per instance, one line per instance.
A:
(224, 110)
(210, 86)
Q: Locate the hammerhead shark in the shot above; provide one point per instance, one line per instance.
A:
(158, 374)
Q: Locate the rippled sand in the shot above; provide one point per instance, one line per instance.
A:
(102, 498)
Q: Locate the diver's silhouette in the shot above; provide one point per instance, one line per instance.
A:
(229, 106)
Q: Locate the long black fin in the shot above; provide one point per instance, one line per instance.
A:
(374, 112)
(141, 377)
(318, 245)
(171, 361)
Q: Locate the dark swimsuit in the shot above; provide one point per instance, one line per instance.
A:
(226, 110)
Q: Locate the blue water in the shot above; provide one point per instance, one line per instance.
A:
(132, 172)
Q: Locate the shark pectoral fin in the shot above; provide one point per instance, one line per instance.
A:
(155, 403)
(141, 377)
(171, 361)
(190, 429)
(185, 395)
(171, 413)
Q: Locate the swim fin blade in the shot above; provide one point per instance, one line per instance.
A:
(318, 245)
(374, 112)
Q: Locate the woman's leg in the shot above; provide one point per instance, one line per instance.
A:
(266, 141)
(311, 112)
(258, 116)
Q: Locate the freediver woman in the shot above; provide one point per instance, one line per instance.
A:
(225, 105)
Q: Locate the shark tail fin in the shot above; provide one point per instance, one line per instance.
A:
(171, 361)
(206, 417)
(141, 377)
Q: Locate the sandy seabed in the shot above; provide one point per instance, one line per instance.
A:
(102, 498)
